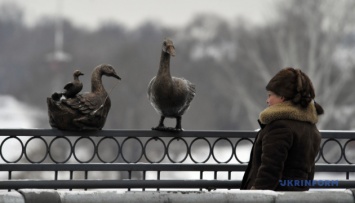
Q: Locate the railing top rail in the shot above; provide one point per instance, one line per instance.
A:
(127, 133)
(123, 167)
(336, 134)
(155, 167)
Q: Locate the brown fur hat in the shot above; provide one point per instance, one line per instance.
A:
(295, 86)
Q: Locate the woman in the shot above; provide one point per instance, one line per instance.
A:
(288, 142)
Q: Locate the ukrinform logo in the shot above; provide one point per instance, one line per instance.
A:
(308, 183)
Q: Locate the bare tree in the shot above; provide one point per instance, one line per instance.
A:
(307, 35)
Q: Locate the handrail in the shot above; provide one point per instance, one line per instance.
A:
(336, 134)
(155, 167)
(128, 133)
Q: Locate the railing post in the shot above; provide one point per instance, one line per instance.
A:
(158, 178)
(55, 176)
(86, 176)
(201, 178)
(229, 176)
(143, 189)
(10, 174)
(129, 177)
(71, 178)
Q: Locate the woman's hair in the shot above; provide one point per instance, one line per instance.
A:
(295, 86)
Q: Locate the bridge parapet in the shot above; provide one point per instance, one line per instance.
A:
(40, 196)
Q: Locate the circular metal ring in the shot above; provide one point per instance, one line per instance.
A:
(214, 144)
(118, 151)
(22, 149)
(145, 146)
(346, 143)
(187, 149)
(46, 152)
(341, 150)
(93, 155)
(209, 155)
(50, 146)
(123, 145)
(318, 156)
(235, 149)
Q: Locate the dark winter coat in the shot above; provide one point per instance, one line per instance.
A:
(284, 149)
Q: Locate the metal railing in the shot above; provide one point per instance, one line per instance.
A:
(128, 159)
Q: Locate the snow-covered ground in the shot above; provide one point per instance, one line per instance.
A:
(16, 114)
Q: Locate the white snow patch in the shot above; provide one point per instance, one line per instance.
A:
(16, 114)
(218, 52)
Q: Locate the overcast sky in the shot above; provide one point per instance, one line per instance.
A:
(131, 13)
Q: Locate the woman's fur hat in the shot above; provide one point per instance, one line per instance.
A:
(295, 86)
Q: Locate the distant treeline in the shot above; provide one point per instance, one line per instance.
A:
(230, 63)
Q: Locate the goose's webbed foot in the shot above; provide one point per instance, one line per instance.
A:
(167, 129)
(161, 126)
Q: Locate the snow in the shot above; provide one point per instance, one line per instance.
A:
(216, 51)
(16, 114)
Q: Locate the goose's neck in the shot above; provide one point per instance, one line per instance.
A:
(76, 78)
(164, 68)
(96, 81)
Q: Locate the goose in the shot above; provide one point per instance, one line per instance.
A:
(170, 96)
(87, 111)
(71, 88)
